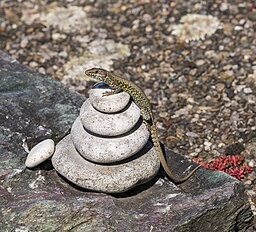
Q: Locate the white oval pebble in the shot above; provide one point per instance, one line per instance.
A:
(104, 178)
(108, 104)
(109, 124)
(108, 150)
(39, 153)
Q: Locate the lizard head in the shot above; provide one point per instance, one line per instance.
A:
(97, 73)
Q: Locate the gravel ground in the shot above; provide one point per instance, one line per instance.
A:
(195, 60)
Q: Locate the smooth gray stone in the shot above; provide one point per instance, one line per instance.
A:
(36, 107)
(109, 124)
(39, 153)
(108, 104)
(112, 178)
(111, 149)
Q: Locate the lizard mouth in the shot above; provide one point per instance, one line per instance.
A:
(89, 73)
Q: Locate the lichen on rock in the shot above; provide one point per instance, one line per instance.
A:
(196, 27)
(101, 53)
(66, 19)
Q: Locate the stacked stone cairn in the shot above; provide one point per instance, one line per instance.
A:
(108, 149)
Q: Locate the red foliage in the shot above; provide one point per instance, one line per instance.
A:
(233, 165)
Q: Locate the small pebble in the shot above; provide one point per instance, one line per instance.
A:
(240, 87)
(39, 153)
(58, 36)
(33, 64)
(252, 163)
(63, 54)
(220, 87)
(207, 145)
(223, 6)
(200, 62)
(251, 193)
(41, 70)
(23, 43)
(191, 134)
(248, 182)
(238, 28)
(247, 90)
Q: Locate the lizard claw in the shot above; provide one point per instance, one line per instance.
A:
(105, 94)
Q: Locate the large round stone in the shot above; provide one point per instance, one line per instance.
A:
(104, 178)
(109, 124)
(111, 149)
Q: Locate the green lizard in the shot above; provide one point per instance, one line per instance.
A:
(119, 84)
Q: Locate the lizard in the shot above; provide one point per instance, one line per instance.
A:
(119, 84)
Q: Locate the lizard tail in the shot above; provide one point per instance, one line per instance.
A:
(164, 163)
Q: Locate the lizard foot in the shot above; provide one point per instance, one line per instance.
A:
(107, 93)
(112, 92)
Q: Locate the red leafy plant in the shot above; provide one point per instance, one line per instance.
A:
(234, 165)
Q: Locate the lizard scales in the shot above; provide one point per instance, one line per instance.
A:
(120, 84)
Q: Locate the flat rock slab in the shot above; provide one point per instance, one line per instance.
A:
(34, 107)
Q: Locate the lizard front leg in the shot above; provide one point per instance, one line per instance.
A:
(112, 92)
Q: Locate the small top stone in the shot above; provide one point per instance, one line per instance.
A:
(39, 153)
(108, 104)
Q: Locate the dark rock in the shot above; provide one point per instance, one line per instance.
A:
(34, 107)
(234, 149)
(230, 93)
